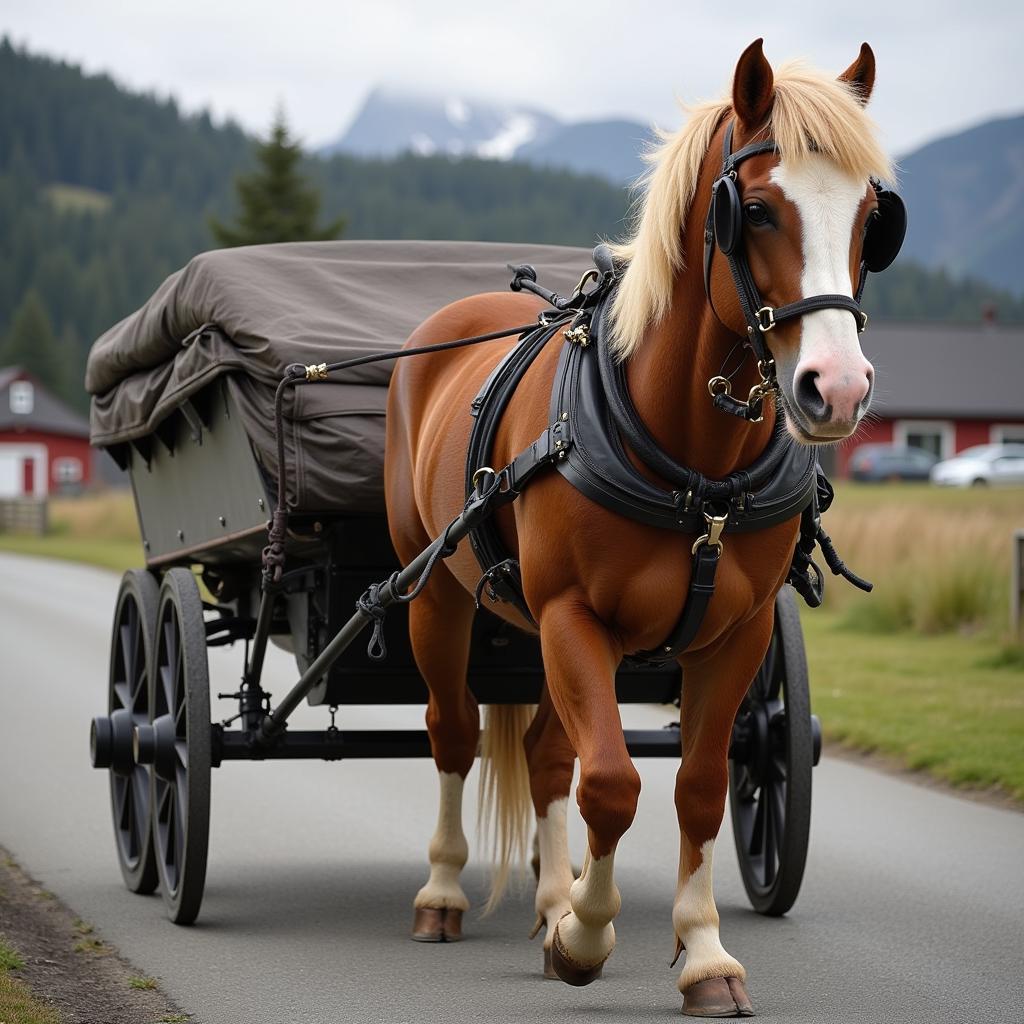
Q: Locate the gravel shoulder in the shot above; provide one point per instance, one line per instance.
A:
(68, 965)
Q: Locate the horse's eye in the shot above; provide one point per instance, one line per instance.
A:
(757, 213)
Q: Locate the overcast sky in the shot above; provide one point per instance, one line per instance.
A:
(942, 65)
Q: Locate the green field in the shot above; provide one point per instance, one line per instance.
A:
(947, 704)
(924, 670)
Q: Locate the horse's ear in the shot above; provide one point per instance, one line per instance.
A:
(861, 73)
(753, 87)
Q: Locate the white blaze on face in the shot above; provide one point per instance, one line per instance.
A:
(827, 201)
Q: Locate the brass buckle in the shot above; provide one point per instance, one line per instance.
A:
(316, 371)
(480, 472)
(761, 314)
(719, 386)
(715, 525)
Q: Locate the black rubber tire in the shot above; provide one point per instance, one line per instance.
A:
(770, 787)
(181, 688)
(131, 645)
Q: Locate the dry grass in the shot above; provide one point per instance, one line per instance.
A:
(95, 529)
(105, 515)
(940, 559)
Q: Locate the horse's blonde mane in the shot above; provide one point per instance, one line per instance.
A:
(812, 112)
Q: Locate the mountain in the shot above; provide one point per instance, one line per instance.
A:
(610, 149)
(965, 199)
(391, 122)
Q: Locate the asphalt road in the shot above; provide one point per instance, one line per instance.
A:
(912, 907)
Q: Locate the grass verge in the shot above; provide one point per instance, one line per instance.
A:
(17, 1004)
(942, 704)
(96, 529)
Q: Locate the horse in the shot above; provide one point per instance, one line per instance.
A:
(599, 586)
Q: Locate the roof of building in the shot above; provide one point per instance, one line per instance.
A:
(49, 414)
(943, 370)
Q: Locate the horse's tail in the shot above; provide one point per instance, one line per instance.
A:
(505, 808)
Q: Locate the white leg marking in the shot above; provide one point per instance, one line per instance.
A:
(695, 917)
(587, 934)
(448, 852)
(556, 875)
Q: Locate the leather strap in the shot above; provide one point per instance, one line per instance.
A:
(702, 589)
(501, 572)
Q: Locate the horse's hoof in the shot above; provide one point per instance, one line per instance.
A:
(562, 967)
(717, 997)
(437, 924)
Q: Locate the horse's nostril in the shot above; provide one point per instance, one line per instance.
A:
(809, 398)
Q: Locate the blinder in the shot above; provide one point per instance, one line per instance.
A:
(727, 214)
(884, 236)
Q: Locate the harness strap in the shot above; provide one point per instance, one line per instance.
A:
(702, 588)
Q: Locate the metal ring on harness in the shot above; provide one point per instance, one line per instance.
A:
(479, 473)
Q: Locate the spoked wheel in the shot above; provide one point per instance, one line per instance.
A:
(775, 744)
(111, 737)
(179, 746)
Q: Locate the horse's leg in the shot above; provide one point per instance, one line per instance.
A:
(580, 659)
(711, 980)
(440, 621)
(550, 758)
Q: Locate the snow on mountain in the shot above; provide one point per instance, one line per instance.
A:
(391, 122)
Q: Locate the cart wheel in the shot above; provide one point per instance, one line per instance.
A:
(771, 756)
(179, 746)
(129, 706)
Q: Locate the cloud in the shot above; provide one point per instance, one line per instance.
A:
(942, 65)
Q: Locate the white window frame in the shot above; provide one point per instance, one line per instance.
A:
(63, 462)
(997, 432)
(22, 396)
(946, 429)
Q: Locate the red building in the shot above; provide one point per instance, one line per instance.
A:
(941, 387)
(44, 445)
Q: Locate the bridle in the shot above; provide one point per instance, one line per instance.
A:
(724, 226)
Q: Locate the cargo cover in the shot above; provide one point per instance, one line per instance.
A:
(247, 313)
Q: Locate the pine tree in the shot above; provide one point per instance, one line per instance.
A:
(277, 204)
(32, 345)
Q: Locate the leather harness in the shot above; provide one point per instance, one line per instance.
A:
(592, 419)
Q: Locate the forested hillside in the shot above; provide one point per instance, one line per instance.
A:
(103, 193)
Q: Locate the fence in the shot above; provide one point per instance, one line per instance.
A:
(23, 515)
(1017, 585)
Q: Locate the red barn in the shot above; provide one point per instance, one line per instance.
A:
(44, 445)
(941, 387)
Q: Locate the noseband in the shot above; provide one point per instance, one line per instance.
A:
(724, 225)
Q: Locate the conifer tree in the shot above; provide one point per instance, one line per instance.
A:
(277, 203)
(32, 345)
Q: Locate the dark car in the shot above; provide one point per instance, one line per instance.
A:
(874, 462)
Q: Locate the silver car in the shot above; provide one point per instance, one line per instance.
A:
(983, 465)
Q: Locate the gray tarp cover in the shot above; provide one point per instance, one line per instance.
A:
(303, 302)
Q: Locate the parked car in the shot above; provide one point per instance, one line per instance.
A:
(982, 465)
(875, 462)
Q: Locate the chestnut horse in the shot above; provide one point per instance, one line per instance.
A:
(601, 586)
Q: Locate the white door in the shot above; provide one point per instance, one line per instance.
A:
(21, 464)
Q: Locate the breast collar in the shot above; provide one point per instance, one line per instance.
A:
(590, 394)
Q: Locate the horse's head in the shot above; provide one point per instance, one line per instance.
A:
(800, 209)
